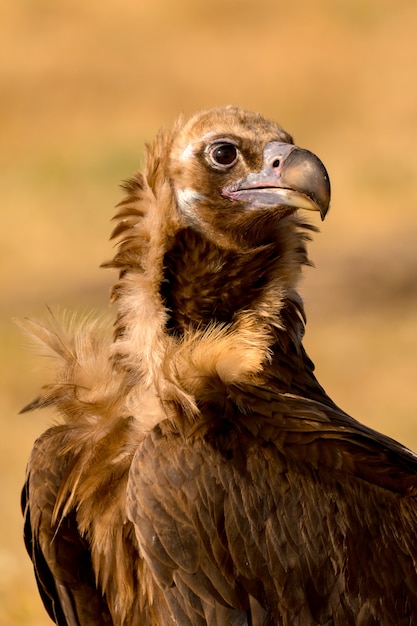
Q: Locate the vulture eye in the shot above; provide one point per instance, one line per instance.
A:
(223, 154)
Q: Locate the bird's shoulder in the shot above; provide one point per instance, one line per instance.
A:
(272, 508)
(61, 556)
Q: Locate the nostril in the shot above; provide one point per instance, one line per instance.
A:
(276, 163)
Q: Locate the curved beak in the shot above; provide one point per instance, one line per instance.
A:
(290, 177)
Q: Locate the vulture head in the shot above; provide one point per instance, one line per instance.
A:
(235, 175)
(211, 246)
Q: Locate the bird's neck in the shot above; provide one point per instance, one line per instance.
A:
(204, 284)
(226, 315)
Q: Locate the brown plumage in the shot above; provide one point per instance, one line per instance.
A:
(200, 474)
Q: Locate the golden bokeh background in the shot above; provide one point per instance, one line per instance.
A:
(85, 83)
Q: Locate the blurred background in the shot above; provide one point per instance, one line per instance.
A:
(85, 84)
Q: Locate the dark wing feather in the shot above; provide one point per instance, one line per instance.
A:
(293, 519)
(186, 557)
(60, 556)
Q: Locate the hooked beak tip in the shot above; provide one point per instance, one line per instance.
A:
(291, 177)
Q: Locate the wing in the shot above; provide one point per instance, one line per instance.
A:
(278, 520)
(198, 579)
(60, 556)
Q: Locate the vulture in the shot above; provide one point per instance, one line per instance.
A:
(197, 472)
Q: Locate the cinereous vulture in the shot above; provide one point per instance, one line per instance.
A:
(199, 474)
